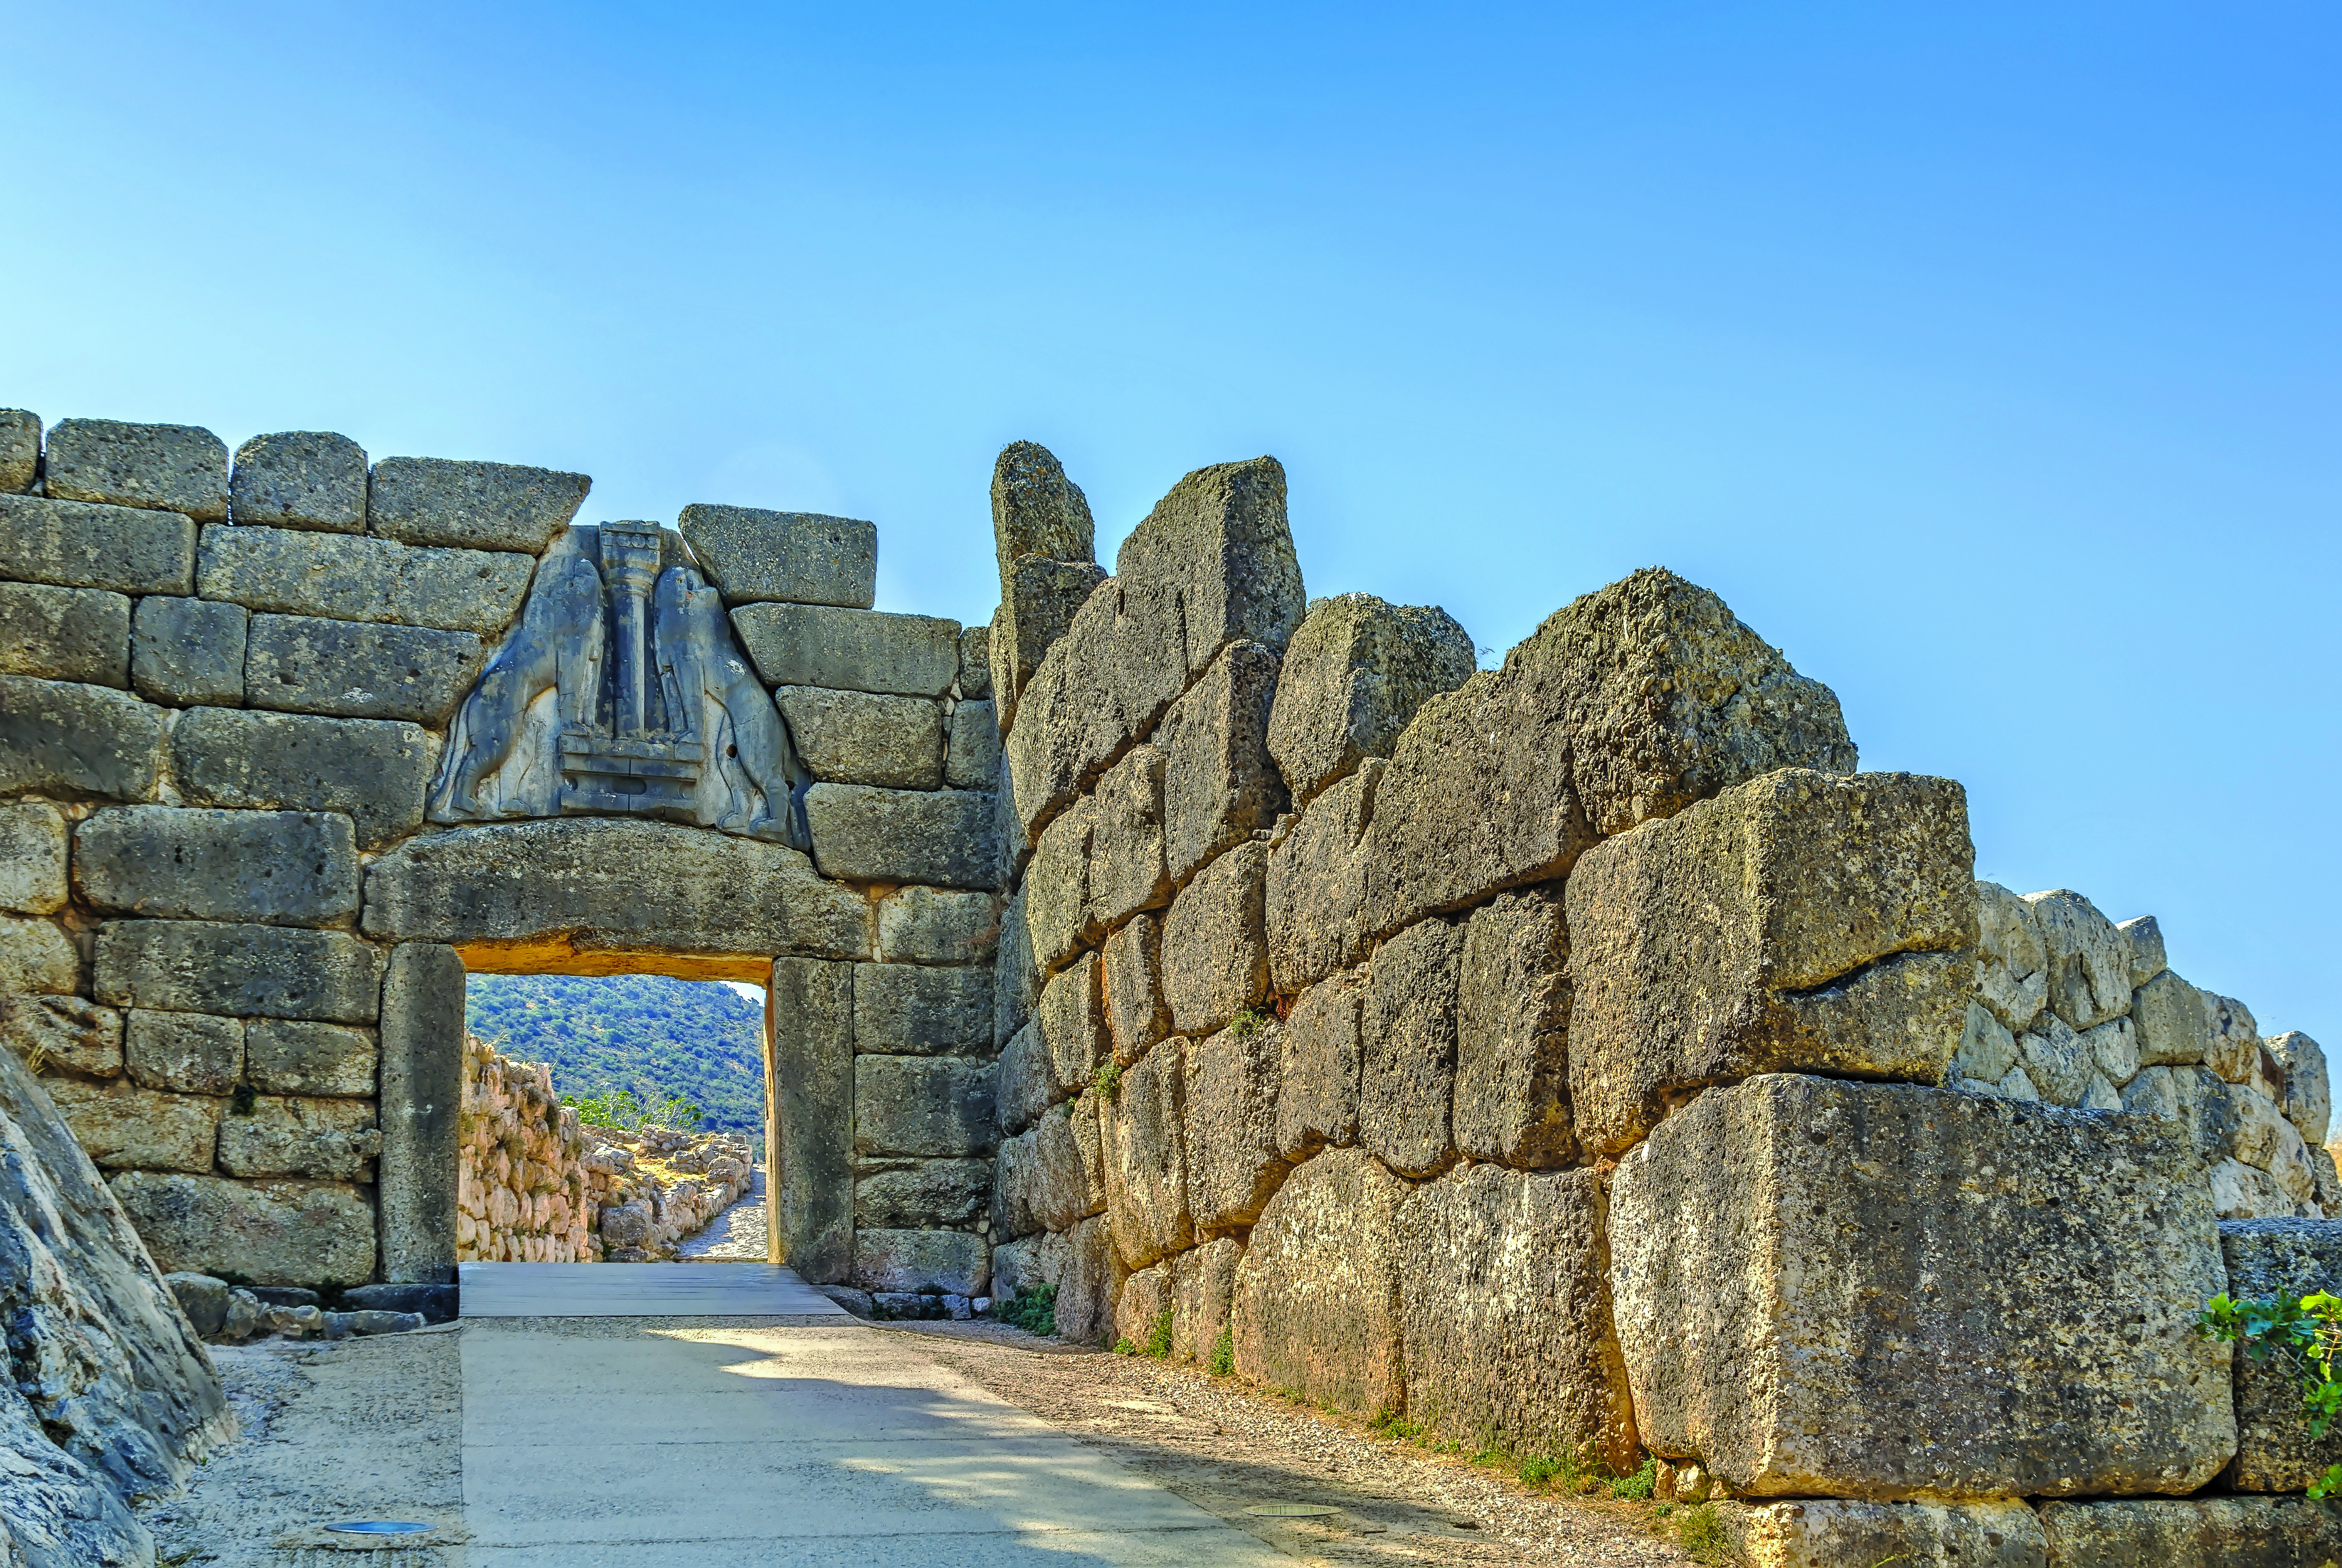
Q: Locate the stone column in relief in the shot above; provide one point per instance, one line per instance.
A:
(421, 1089)
(809, 1158)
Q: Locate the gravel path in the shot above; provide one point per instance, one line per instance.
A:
(1224, 1449)
(735, 1235)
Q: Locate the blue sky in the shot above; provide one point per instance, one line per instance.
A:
(1983, 357)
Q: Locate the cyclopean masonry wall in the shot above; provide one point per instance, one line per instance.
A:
(289, 743)
(1583, 1054)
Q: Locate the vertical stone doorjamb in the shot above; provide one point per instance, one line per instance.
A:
(773, 1251)
(422, 1090)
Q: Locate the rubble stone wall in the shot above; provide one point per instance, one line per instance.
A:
(1583, 1054)
(234, 918)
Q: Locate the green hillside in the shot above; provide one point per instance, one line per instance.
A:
(696, 1038)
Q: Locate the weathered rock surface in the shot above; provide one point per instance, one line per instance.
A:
(112, 1398)
(923, 1194)
(812, 1159)
(954, 1263)
(126, 1127)
(2090, 961)
(912, 1010)
(2286, 1258)
(1214, 952)
(1801, 922)
(64, 634)
(1886, 1290)
(1512, 1034)
(304, 665)
(1057, 909)
(1357, 670)
(270, 1232)
(1317, 884)
(62, 738)
(1824, 1532)
(300, 479)
(1317, 1078)
(2308, 1096)
(38, 958)
(472, 505)
(850, 650)
(755, 556)
(972, 752)
(351, 577)
(1219, 786)
(1137, 1014)
(20, 450)
(189, 651)
(169, 467)
(1407, 1037)
(186, 1052)
(861, 737)
(2203, 1532)
(1229, 1116)
(1626, 704)
(1071, 1020)
(1127, 870)
(270, 971)
(2012, 965)
(1147, 1294)
(118, 548)
(1316, 1307)
(1015, 1188)
(1506, 1307)
(1037, 510)
(2168, 1015)
(584, 885)
(975, 664)
(297, 1056)
(930, 1107)
(376, 771)
(295, 1135)
(1069, 1164)
(63, 1033)
(1038, 602)
(1146, 1158)
(1204, 1286)
(174, 863)
(33, 842)
(1023, 1086)
(942, 838)
(2233, 1048)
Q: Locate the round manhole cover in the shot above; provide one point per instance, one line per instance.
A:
(379, 1527)
(1291, 1510)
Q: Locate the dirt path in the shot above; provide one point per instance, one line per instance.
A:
(735, 1235)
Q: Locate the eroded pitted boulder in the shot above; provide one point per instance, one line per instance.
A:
(1802, 921)
(1316, 1308)
(2286, 1258)
(1888, 1291)
(1357, 670)
(1628, 705)
(2198, 1532)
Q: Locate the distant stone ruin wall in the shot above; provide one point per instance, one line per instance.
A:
(1584, 1055)
(290, 740)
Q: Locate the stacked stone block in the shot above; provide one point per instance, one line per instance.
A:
(523, 1191)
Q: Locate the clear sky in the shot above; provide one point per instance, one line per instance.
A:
(1983, 356)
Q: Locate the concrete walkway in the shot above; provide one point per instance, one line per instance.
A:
(632, 1443)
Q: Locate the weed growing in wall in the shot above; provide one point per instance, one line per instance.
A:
(2304, 1335)
(1034, 1310)
(1106, 1079)
(1158, 1340)
(1224, 1354)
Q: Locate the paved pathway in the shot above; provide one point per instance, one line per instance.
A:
(737, 1234)
(613, 1441)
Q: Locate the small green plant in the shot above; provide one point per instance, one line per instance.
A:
(2303, 1335)
(1247, 1021)
(1700, 1532)
(1537, 1469)
(1664, 1509)
(1224, 1354)
(1638, 1486)
(1124, 1347)
(1033, 1309)
(1106, 1079)
(1158, 1338)
(628, 1112)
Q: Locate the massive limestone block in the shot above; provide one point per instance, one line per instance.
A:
(112, 1395)
(551, 894)
(169, 467)
(351, 577)
(38, 958)
(1072, 1022)
(2090, 961)
(289, 1232)
(1146, 1159)
(1088, 1278)
(1212, 565)
(1069, 1171)
(862, 737)
(2233, 1048)
(118, 548)
(2308, 1097)
(2012, 965)
(187, 1052)
(1318, 1077)
(1407, 1035)
(1147, 1300)
(1358, 669)
(300, 479)
(972, 752)
(188, 653)
(1056, 887)
(1801, 922)
(911, 1010)
(20, 450)
(124, 1127)
(2148, 957)
(1885, 1290)
(1023, 1085)
(474, 505)
(295, 1056)
(811, 1078)
(953, 1263)
(1203, 1288)
(1826, 1532)
(304, 665)
(271, 868)
(850, 650)
(1037, 510)
(1016, 1187)
(64, 634)
(65, 1033)
(1039, 599)
(932, 926)
(1506, 1308)
(1127, 870)
(922, 1194)
(296, 1135)
(1316, 1307)
(975, 666)
(33, 840)
(931, 1107)
(376, 771)
(1135, 1011)
(1628, 705)
(62, 738)
(1214, 955)
(1228, 1106)
(2168, 1016)
(942, 838)
(755, 556)
(1512, 1034)
(267, 970)
(2202, 1533)
(1317, 884)
(1016, 977)
(1219, 786)
(2286, 1258)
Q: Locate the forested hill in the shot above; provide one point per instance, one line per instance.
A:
(696, 1038)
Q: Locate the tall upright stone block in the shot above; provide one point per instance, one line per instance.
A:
(1356, 672)
(810, 1069)
(2288, 1259)
(1043, 539)
(1219, 786)
(422, 1095)
(1317, 1306)
(1407, 1032)
(1145, 1155)
(1317, 884)
(1512, 1034)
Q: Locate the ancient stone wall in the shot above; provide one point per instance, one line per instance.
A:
(289, 741)
(1583, 1054)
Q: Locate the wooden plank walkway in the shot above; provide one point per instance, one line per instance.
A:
(639, 1290)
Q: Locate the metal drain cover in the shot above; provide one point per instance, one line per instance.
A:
(379, 1527)
(1291, 1510)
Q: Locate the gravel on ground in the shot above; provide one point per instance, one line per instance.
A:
(735, 1236)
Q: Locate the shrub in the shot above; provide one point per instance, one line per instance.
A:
(1034, 1310)
(1158, 1340)
(1701, 1534)
(1224, 1354)
(1639, 1485)
(2304, 1335)
(1106, 1079)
